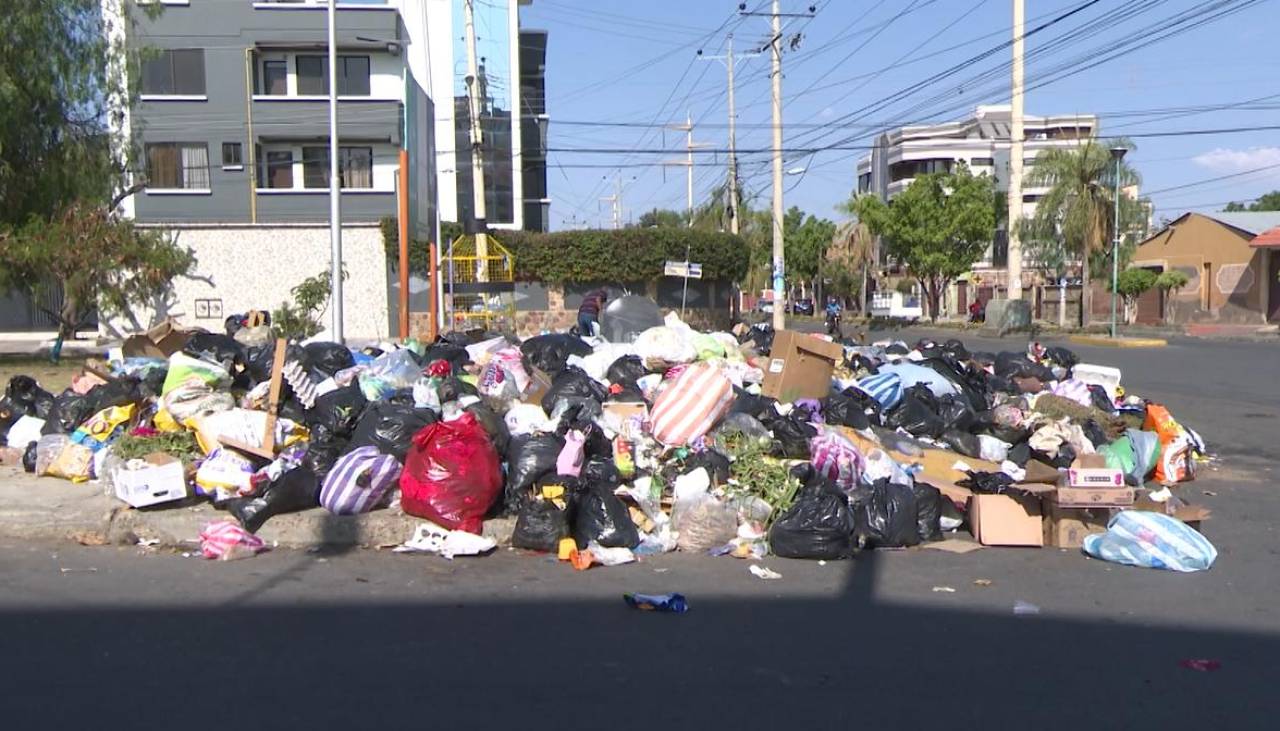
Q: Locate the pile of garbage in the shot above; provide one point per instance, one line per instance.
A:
(747, 444)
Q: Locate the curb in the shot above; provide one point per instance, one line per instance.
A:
(1121, 342)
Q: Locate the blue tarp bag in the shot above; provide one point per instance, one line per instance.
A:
(1151, 540)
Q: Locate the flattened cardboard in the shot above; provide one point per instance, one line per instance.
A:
(539, 384)
(799, 366)
(1087, 497)
(953, 545)
(161, 341)
(1192, 515)
(1006, 520)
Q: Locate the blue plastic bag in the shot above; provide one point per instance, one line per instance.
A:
(1151, 540)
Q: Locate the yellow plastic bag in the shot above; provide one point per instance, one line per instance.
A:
(103, 426)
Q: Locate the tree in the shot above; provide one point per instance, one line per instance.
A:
(1079, 204)
(95, 258)
(853, 249)
(663, 218)
(939, 226)
(1130, 284)
(805, 238)
(1169, 282)
(303, 318)
(61, 80)
(1266, 202)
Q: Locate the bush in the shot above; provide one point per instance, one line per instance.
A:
(625, 255)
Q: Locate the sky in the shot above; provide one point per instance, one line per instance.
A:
(619, 71)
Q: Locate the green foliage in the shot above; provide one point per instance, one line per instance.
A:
(663, 218)
(905, 286)
(302, 318)
(596, 255)
(180, 444)
(755, 474)
(1268, 202)
(805, 240)
(1171, 280)
(1131, 283)
(97, 259)
(60, 78)
(938, 226)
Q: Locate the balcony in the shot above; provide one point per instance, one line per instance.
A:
(307, 117)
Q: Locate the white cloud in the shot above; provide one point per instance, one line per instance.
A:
(1227, 160)
(827, 113)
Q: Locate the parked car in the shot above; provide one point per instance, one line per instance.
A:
(764, 307)
(801, 306)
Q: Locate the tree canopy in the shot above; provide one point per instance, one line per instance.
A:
(1266, 202)
(938, 226)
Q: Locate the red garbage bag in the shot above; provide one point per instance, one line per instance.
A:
(451, 475)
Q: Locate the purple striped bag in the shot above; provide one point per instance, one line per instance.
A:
(359, 481)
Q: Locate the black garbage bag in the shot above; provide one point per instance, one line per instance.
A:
(259, 359)
(291, 408)
(216, 348)
(1011, 365)
(549, 353)
(842, 410)
(1020, 454)
(987, 483)
(1093, 430)
(322, 454)
(572, 382)
(29, 458)
(328, 358)
(455, 355)
(760, 336)
(390, 427)
(1000, 384)
(27, 398)
(492, 424)
(929, 507)
(1061, 356)
(298, 489)
(120, 392)
(337, 412)
(818, 525)
(860, 362)
(529, 458)
(971, 386)
(962, 442)
(454, 388)
(1101, 401)
(540, 526)
(791, 435)
(983, 358)
(457, 337)
(956, 413)
(745, 402)
(916, 413)
(400, 397)
(627, 369)
(716, 465)
(603, 518)
(1066, 455)
(956, 350)
(69, 411)
(1011, 434)
(626, 393)
(885, 515)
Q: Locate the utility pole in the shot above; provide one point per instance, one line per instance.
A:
(779, 252)
(615, 200)
(728, 60)
(687, 162)
(474, 107)
(1015, 159)
(335, 187)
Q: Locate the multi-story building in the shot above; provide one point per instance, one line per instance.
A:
(511, 85)
(982, 142)
(230, 136)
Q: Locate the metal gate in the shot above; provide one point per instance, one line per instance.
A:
(479, 286)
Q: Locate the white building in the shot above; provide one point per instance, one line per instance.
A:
(982, 142)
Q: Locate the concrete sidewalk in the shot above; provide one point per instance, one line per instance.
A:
(48, 508)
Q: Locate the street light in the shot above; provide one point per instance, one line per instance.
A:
(1117, 154)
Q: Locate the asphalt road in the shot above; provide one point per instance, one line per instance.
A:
(129, 638)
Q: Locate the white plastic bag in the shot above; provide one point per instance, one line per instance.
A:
(431, 538)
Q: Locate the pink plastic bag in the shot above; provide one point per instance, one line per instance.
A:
(451, 475)
(836, 457)
(688, 408)
(225, 540)
(571, 456)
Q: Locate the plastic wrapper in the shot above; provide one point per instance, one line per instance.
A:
(227, 541)
(739, 427)
(187, 371)
(47, 450)
(452, 475)
(74, 462)
(104, 427)
(1151, 540)
(389, 372)
(223, 475)
(836, 458)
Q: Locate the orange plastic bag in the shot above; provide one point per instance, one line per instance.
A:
(1175, 463)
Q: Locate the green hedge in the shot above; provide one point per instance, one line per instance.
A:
(625, 255)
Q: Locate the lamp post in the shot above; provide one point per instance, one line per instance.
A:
(1117, 154)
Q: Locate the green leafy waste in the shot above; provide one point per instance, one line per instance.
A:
(754, 473)
(181, 445)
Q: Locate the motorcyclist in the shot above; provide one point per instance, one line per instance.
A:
(833, 315)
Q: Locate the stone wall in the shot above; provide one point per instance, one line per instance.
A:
(240, 268)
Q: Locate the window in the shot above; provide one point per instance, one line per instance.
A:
(275, 78)
(353, 75)
(355, 167)
(982, 162)
(864, 182)
(174, 72)
(178, 165)
(232, 156)
(279, 169)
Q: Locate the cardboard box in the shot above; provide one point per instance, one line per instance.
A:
(539, 384)
(620, 416)
(1091, 470)
(161, 341)
(163, 480)
(1006, 520)
(1192, 515)
(1067, 527)
(800, 366)
(1088, 497)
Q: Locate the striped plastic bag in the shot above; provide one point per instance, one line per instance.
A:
(833, 455)
(885, 388)
(359, 481)
(688, 408)
(1151, 540)
(226, 541)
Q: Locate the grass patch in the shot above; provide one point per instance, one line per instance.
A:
(52, 377)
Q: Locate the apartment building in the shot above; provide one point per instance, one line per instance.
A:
(513, 114)
(982, 142)
(230, 137)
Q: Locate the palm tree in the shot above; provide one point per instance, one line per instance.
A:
(1079, 204)
(853, 248)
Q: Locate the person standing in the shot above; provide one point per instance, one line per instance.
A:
(589, 312)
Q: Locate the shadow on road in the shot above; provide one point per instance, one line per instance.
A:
(847, 661)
